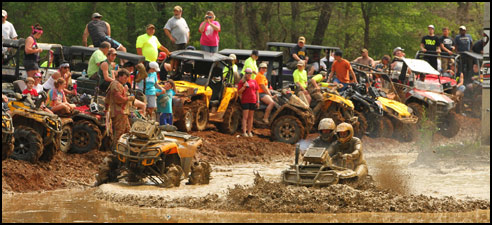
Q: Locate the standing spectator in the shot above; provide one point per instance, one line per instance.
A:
(235, 74)
(364, 59)
(478, 46)
(57, 101)
(383, 65)
(31, 56)
(116, 102)
(165, 102)
(176, 29)
(248, 90)
(447, 48)
(148, 45)
(341, 68)
(430, 44)
(265, 95)
(8, 31)
(251, 63)
(300, 79)
(299, 53)
(96, 61)
(464, 42)
(149, 86)
(100, 31)
(210, 33)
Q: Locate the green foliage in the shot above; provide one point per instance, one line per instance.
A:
(391, 24)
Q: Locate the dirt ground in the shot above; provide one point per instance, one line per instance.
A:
(78, 170)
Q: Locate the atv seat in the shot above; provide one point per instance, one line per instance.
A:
(19, 86)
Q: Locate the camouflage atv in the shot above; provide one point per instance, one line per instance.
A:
(158, 153)
(7, 134)
(319, 169)
(37, 133)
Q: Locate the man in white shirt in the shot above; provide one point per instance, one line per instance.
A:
(177, 30)
(8, 30)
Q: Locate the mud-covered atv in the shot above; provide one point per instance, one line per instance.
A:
(7, 133)
(37, 133)
(291, 122)
(158, 153)
(319, 169)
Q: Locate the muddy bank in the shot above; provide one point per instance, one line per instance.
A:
(274, 197)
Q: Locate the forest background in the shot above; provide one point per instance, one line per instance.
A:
(377, 26)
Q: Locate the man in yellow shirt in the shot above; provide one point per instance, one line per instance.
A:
(234, 79)
(300, 79)
(148, 45)
(251, 63)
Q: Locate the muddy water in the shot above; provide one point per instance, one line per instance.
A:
(83, 206)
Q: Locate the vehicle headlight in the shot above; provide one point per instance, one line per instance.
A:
(54, 124)
(410, 110)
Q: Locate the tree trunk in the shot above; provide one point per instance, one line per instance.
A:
(348, 36)
(266, 17)
(253, 28)
(323, 21)
(238, 23)
(296, 11)
(366, 14)
(130, 18)
(463, 12)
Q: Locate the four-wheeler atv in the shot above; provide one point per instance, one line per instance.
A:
(37, 133)
(202, 94)
(319, 169)
(426, 97)
(158, 153)
(7, 133)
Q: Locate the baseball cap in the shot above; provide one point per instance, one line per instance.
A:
(178, 8)
(38, 75)
(431, 26)
(4, 13)
(96, 15)
(162, 56)
(300, 63)
(302, 39)
(233, 56)
(150, 26)
(154, 65)
(462, 28)
(398, 49)
(248, 70)
(263, 65)
(364, 50)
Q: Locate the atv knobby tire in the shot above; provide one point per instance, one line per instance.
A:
(174, 174)
(86, 137)
(451, 127)
(108, 171)
(287, 128)
(418, 109)
(232, 118)
(66, 138)
(387, 127)
(376, 128)
(360, 126)
(7, 148)
(28, 144)
(50, 150)
(405, 132)
(200, 115)
(185, 123)
(200, 173)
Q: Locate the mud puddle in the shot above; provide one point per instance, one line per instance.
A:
(81, 206)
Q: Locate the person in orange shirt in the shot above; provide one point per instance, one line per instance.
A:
(265, 94)
(341, 67)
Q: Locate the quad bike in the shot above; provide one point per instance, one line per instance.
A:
(319, 169)
(37, 133)
(7, 133)
(158, 153)
(291, 122)
(328, 103)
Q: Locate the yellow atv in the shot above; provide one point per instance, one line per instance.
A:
(37, 133)
(7, 134)
(201, 94)
(158, 153)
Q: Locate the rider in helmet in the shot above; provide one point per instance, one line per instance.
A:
(326, 129)
(350, 148)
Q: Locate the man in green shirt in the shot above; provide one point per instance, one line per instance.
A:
(148, 45)
(300, 79)
(235, 75)
(251, 63)
(97, 58)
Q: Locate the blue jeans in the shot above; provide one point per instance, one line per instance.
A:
(345, 85)
(166, 118)
(212, 49)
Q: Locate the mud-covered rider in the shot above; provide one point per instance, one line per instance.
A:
(327, 137)
(348, 148)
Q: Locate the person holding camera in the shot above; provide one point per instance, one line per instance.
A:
(210, 33)
(248, 90)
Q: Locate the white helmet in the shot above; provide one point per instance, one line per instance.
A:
(326, 124)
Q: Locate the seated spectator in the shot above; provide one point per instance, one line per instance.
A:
(57, 101)
(30, 88)
(384, 64)
(300, 79)
(37, 82)
(299, 53)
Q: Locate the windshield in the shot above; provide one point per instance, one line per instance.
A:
(428, 86)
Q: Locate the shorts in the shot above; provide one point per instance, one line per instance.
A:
(113, 42)
(31, 65)
(345, 85)
(151, 101)
(293, 66)
(212, 49)
(262, 95)
(248, 106)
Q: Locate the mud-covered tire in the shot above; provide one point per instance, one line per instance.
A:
(405, 132)
(287, 128)
(106, 144)
(200, 114)
(86, 137)
(174, 174)
(476, 111)
(451, 127)
(50, 151)
(232, 118)
(108, 171)
(200, 173)
(376, 127)
(360, 127)
(418, 110)
(185, 123)
(388, 127)
(7, 148)
(66, 138)
(28, 144)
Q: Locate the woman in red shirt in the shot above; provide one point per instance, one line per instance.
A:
(248, 90)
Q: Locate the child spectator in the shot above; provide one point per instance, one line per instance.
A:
(30, 88)
(57, 101)
(165, 103)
